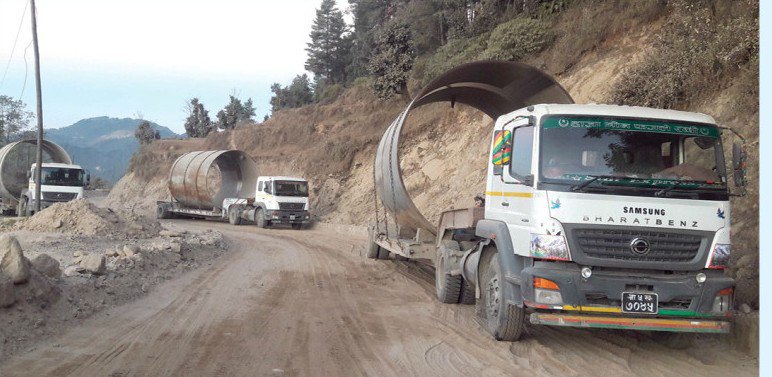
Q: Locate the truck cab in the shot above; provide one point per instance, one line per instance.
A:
(605, 216)
(59, 183)
(281, 200)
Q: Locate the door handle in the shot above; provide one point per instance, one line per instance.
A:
(505, 204)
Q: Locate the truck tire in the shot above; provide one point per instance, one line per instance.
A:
(372, 248)
(21, 211)
(503, 321)
(467, 293)
(447, 286)
(162, 211)
(260, 220)
(234, 215)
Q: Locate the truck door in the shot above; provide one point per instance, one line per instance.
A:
(510, 198)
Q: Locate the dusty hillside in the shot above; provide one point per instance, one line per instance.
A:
(444, 150)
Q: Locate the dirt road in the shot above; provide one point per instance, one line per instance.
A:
(306, 303)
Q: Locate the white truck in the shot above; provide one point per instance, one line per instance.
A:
(61, 181)
(225, 185)
(598, 216)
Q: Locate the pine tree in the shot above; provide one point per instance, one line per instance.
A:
(234, 112)
(295, 95)
(198, 123)
(329, 48)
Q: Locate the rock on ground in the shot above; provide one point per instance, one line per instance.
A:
(131, 250)
(47, 265)
(7, 294)
(94, 263)
(12, 260)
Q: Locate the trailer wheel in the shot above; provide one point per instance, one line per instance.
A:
(447, 286)
(467, 293)
(260, 218)
(162, 211)
(372, 248)
(505, 322)
(21, 211)
(234, 215)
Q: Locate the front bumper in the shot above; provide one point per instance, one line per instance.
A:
(287, 217)
(626, 323)
(679, 293)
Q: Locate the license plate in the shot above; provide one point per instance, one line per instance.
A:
(292, 217)
(640, 303)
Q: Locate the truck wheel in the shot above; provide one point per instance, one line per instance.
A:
(505, 322)
(467, 293)
(260, 219)
(21, 211)
(447, 286)
(234, 215)
(162, 211)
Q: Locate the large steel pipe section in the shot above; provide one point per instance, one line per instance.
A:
(17, 158)
(493, 87)
(192, 174)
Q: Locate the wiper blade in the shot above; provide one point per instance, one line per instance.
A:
(589, 181)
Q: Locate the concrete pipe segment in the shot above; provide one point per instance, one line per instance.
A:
(17, 158)
(493, 87)
(202, 179)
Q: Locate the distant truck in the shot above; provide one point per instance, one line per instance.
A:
(224, 185)
(597, 216)
(62, 181)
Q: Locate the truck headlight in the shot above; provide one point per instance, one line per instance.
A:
(546, 292)
(546, 246)
(719, 258)
(723, 301)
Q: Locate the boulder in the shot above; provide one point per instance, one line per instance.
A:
(47, 265)
(12, 260)
(169, 233)
(79, 253)
(112, 252)
(57, 223)
(94, 263)
(176, 247)
(73, 270)
(7, 294)
(131, 250)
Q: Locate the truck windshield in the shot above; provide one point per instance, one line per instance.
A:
(291, 188)
(62, 176)
(626, 152)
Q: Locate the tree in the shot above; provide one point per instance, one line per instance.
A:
(198, 123)
(145, 133)
(14, 118)
(297, 94)
(329, 48)
(392, 60)
(234, 112)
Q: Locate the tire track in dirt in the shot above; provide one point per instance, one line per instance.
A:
(308, 303)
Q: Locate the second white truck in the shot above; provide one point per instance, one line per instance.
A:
(224, 185)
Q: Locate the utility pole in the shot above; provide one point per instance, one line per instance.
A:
(39, 157)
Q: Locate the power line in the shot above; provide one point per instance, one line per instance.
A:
(8, 64)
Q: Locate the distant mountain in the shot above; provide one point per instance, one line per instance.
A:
(102, 145)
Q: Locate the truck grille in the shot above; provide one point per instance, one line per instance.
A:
(292, 206)
(58, 196)
(615, 244)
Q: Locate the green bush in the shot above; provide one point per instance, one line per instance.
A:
(515, 39)
(690, 60)
(453, 54)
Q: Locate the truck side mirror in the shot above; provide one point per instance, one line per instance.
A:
(502, 150)
(739, 164)
(88, 180)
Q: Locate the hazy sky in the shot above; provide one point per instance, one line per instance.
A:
(120, 58)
